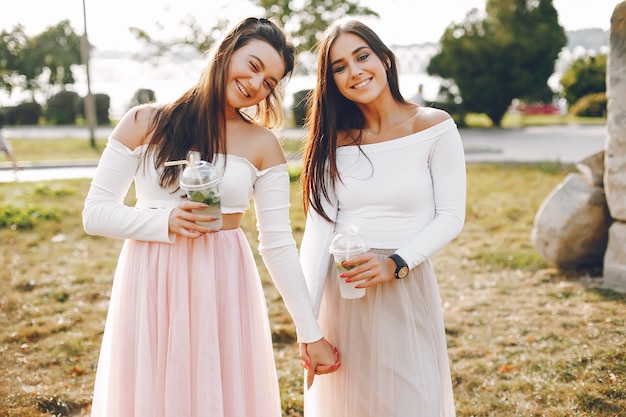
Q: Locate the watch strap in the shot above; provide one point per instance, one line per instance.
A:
(402, 269)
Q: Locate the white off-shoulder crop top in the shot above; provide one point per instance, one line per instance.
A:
(236, 187)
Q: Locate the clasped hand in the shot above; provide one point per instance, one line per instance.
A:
(318, 358)
(183, 221)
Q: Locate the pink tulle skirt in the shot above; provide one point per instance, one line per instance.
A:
(187, 333)
(393, 345)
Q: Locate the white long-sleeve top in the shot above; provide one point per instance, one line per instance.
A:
(406, 194)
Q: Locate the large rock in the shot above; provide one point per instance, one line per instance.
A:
(571, 227)
(614, 271)
(592, 168)
(615, 159)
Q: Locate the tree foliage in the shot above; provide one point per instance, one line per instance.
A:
(12, 47)
(40, 62)
(195, 36)
(585, 75)
(309, 18)
(304, 21)
(507, 53)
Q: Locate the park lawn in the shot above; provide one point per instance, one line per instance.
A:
(56, 149)
(524, 339)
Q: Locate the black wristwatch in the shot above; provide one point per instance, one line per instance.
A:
(402, 269)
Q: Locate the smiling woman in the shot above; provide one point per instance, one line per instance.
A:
(363, 136)
(187, 333)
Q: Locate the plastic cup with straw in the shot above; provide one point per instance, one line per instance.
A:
(201, 180)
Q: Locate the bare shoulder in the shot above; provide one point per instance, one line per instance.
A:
(256, 143)
(132, 128)
(271, 149)
(429, 117)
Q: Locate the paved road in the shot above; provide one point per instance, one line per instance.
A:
(567, 144)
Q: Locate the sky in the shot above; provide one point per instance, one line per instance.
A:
(401, 22)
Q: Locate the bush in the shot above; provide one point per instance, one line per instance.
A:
(456, 110)
(103, 102)
(586, 75)
(591, 105)
(299, 107)
(62, 108)
(14, 217)
(27, 113)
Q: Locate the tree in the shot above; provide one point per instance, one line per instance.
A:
(53, 53)
(306, 21)
(38, 63)
(508, 53)
(586, 75)
(12, 46)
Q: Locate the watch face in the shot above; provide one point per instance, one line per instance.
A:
(403, 272)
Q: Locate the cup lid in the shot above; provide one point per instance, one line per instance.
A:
(348, 242)
(200, 175)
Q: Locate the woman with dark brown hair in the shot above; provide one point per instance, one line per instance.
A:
(394, 171)
(187, 332)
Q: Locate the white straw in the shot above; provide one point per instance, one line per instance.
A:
(172, 163)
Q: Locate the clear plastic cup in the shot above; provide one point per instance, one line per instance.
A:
(343, 247)
(201, 180)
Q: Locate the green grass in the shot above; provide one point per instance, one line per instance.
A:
(519, 120)
(56, 149)
(524, 339)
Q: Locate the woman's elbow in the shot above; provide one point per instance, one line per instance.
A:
(89, 224)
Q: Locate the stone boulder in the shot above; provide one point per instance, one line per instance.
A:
(614, 271)
(592, 168)
(571, 227)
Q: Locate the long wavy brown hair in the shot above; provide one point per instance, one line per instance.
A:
(197, 121)
(329, 112)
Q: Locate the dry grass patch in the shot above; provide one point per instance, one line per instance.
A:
(524, 339)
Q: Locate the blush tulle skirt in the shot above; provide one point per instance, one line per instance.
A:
(187, 333)
(393, 351)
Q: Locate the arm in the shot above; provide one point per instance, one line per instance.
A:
(104, 212)
(447, 170)
(447, 166)
(314, 248)
(278, 249)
